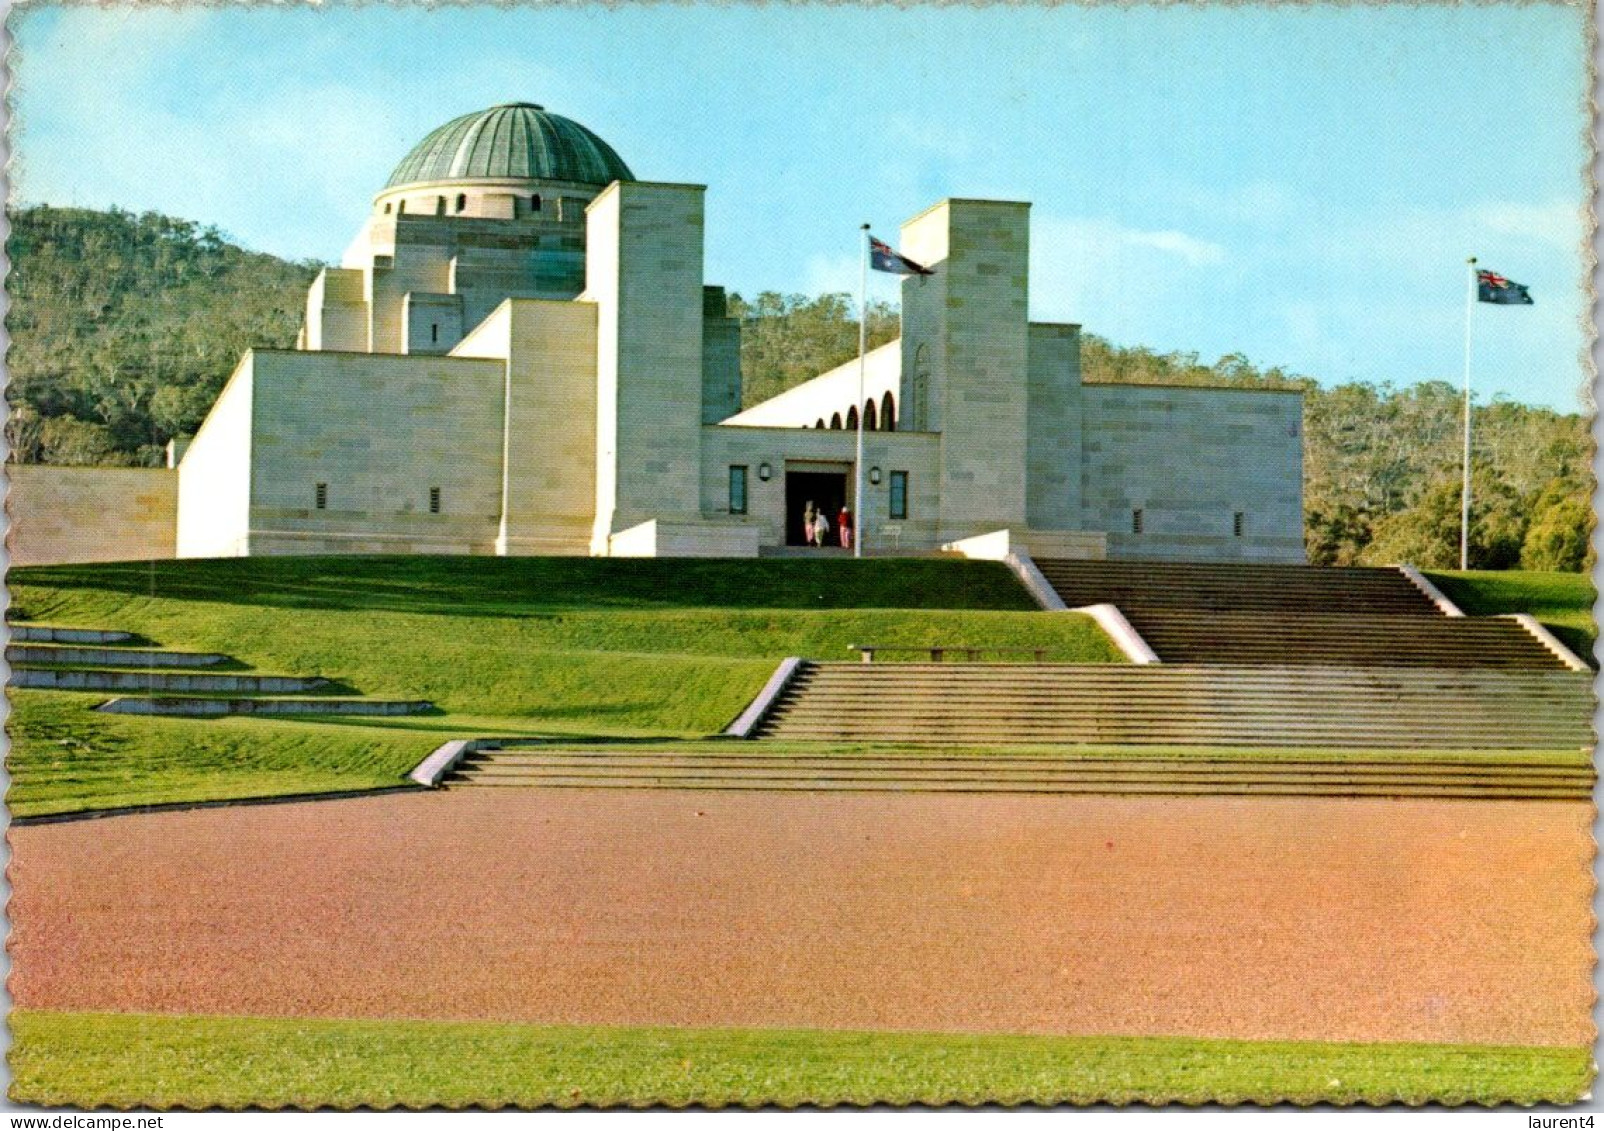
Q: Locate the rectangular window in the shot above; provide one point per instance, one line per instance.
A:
(322, 496)
(1136, 521)
(1237, 523)
(738, 489)
(899, 494)
(434, 500)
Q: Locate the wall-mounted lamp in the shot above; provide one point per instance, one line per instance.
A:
(764, 472)
(874, 476)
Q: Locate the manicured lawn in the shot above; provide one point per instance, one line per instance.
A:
(578, 647)
(86, 1060)
(1563, 602)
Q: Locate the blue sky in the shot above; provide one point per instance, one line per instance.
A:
(1301, 184)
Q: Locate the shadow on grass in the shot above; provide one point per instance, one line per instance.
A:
(478, 586)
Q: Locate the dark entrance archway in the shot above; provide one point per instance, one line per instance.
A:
(826, 490)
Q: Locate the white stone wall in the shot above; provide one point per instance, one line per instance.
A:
(1053, 429)
(431, 324)
(214, 477)
(973, 315)
(336, 312)
(550, 406)
(61, 515)
(916, 453)
(644, 273)
(380, 431)
(721, 358)
(1190, 459)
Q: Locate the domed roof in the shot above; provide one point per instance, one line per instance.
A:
(518, 140)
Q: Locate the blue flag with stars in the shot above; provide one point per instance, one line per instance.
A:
(1494, 288)
(883, 258)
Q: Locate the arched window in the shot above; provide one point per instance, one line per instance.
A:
(835, 421)
(534, 203)
(921, 389)
(439, 206)
(888, 413)
(462, 201)
(868, 416)
(852, 418)
(820, 424)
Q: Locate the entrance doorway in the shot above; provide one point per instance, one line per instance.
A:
(826, 490)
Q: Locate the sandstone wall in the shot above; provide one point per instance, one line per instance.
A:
(1191, 460)
(61, 515)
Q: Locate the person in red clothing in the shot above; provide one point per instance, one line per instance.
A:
(843, 523)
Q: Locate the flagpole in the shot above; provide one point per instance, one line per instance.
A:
(863, 351)
(1464, 491)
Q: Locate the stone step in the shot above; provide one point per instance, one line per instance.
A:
(1187, 705)
(1219, 587)
(1041, 775)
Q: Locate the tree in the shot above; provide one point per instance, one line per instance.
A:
(124, 329)
(1427, 534)
(1561, 531)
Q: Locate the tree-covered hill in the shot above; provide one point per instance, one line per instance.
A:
(124, 328)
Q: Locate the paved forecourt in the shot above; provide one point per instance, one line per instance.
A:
(1268, 918)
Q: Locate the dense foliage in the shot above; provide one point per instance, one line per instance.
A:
(788, 339)
(125, 327)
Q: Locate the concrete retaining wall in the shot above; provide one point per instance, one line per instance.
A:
(50, 634)
(213, 707)
(115, 657)
(52, 679)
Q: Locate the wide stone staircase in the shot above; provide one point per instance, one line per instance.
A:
(1286, 615)
(904, 770)
(987, 705)
(162, 681)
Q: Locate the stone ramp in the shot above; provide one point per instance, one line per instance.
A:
(906, 771)
(985, 705)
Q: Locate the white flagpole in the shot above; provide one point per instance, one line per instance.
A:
(863, 351)
(1464, 491)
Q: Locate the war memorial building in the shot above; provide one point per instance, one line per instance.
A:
(519, 355)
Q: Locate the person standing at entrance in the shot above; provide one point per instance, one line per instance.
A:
(821, 529)
(843, 523)
(808, 515)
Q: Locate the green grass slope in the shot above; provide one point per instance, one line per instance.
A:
(1562, 602)
(121, 1060)
(505, 646)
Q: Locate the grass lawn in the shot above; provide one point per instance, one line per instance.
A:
(562, 646)
(1562, 602)
(87, 1060)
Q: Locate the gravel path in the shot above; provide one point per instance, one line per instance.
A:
(1255, 918)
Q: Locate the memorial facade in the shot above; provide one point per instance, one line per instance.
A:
(519, 354)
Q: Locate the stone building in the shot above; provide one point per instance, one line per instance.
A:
(519, 354)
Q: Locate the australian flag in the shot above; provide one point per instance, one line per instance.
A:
(883, 258)
(1493, 287)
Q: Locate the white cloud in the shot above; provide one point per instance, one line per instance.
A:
(1083, 265)
(1559, 223)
